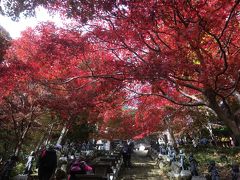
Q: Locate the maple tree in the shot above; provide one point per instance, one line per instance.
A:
(64, 64)
(119, 124)
(54, 68)
(17, 101)
(19, 111)
(150, 114)
(184, 51)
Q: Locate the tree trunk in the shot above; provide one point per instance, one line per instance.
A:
(224, 115)
(20, 142)
(209, 128)
(41, 141)
(237, 95)
(171, 137)
(49, 134)
(63, 132)
(10, 164)
(235, 130)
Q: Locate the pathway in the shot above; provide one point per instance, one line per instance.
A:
(143, 168)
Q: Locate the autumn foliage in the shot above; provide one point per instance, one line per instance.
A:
(143, 55)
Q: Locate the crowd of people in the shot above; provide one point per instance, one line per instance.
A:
(198, 142)
(70, 159)
(191, 163)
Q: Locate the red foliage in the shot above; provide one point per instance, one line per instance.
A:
(64, 64)
(188, 46)
(184, 51)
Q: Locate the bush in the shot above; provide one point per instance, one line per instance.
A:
(19, 169)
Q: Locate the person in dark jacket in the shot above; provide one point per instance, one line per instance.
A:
(126, 153)
(7, 168)
(212, 169)
(131, 148)
(193, 165)
(47, 163)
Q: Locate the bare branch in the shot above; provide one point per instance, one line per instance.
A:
(165, 96)
(190, 96)
(185, 84)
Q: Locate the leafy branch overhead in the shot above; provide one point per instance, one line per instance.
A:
(120, 54)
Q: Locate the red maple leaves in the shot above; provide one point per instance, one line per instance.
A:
(184, 52)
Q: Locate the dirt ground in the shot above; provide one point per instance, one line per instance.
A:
(143, 168)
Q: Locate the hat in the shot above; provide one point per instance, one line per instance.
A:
(58, 146)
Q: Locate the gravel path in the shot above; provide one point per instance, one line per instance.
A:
(143, 168)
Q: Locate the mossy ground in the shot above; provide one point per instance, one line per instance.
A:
(146, 168)
(223, 156)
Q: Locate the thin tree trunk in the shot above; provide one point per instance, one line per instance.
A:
(174, 144)
(20, 142)
(10, 164)
(49, 134)
(209, 128)
(41, 141)
(171, 136)
(63, 133)
(237, 95)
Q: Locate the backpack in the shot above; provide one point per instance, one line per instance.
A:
(76, 166)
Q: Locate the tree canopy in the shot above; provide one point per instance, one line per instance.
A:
(154, 57)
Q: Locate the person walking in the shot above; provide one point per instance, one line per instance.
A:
(7, 168)
(47, 163)
(131, 148)
(126, 153)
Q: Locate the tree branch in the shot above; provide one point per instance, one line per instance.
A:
(165, 96)
(229, 17)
